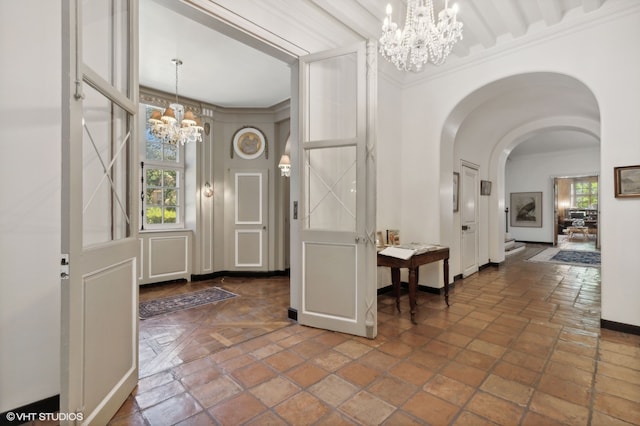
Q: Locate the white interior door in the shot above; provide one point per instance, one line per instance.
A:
(251, 212)
(337, 190)
(99, 227)
(469, 189)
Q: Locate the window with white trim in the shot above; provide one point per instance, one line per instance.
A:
(585, 193)
(163, 173)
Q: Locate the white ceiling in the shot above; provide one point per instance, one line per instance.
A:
(222, 71)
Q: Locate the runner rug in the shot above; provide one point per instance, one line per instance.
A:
(164, 305)
(568, 257)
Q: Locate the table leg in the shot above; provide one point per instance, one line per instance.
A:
(446, 280)
(412, 293)
(395, 279)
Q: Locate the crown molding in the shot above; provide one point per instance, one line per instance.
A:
(606, 13)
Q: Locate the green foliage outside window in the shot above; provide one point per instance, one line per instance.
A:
(161, 196)
(586, 194)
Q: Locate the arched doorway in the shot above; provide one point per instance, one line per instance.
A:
(486, 125)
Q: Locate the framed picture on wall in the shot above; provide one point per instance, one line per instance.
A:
(485, 187)
(456, 190)
(526, 209)
(627, 181)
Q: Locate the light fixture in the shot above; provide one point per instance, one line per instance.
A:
(285, 165)
(422, 39)
(175, 125)
(208, 190)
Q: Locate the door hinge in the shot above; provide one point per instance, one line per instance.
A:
(64, 267)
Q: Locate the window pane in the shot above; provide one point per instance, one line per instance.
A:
(154, 150)
(153, 196)
(170, 197)
(154, 177)
(169, 178)
(170, 152)
(170, 215)
(153, 214)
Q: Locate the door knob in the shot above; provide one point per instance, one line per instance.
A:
(465, 228)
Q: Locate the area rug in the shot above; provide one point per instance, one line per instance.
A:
(180, 302)
(568, 257)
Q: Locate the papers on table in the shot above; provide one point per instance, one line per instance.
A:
(405, 251)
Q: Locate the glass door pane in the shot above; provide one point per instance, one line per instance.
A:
(331, 194)
(106, 30)
(333, 95)
(106, 139)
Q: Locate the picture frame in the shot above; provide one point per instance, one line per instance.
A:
(627, 181)
(379, 239)
(526, 209)
(485, 187)
(249, 143)
(456, 191)
(393, 237)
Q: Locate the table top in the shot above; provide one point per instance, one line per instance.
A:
(433, 254)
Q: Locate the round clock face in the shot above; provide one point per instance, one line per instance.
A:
(248, 143)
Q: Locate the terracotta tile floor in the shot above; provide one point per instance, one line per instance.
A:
(520, 345)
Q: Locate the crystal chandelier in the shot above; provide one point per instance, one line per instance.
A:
(175, 125)
(422, 39)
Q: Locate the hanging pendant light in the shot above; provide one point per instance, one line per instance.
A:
(175, 125)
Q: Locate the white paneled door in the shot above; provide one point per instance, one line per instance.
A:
(337, 197)
(469, 190)
(250, 220)
(99, 245)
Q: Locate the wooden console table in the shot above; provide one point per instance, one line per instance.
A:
(413, 264)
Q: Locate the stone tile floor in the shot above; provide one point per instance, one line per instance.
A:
(520, 345)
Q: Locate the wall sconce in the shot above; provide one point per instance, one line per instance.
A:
(285, 165)
(208, 190)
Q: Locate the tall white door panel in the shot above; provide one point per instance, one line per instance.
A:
(469, 190)
(99, 225)
(337, 197)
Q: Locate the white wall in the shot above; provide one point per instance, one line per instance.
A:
(601, 54)
(388, 154)
(535, 173)
(29, 202)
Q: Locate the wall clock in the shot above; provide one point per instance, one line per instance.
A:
(249, 143)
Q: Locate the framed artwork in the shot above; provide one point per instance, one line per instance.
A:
(485, 187)
(526, 209)
(379, 239)
(393, 237)
(627, 181)
(456, 190)
(249, 143)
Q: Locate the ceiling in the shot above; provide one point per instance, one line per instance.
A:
(222, 71)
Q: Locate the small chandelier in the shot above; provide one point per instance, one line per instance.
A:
(175, 125)
(422, 39)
